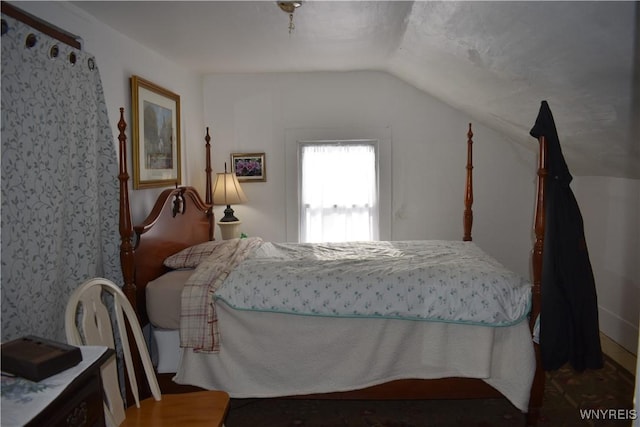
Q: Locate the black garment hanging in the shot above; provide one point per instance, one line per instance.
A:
(569, 330)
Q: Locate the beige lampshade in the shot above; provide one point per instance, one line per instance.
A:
(227, 190)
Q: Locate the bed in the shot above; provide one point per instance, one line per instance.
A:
(263, 349)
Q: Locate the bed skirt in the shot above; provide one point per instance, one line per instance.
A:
(266, 355)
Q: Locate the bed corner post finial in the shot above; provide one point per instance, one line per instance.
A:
(468, 197)
(125, 226)
(208, 190)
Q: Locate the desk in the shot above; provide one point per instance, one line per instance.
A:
(70, 398)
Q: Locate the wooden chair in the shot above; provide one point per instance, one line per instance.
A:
(92, 326)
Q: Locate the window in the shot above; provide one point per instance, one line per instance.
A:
(338, 191)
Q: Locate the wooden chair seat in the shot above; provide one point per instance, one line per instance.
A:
(203, 408)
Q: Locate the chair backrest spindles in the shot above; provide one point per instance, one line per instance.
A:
(96, 329)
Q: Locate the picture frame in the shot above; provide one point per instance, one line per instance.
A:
(249, 167)
(156, 135)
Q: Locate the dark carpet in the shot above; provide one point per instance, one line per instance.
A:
(566, 394)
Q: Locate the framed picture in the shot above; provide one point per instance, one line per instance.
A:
(249, 167)
(156, 135)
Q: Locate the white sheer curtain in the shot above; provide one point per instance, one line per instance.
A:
(59, 181)
(338, 192)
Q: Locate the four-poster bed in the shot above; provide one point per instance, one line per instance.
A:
(181, 220)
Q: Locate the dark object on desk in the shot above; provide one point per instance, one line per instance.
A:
(36, 358)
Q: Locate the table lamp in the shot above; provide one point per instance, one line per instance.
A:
(227, 191)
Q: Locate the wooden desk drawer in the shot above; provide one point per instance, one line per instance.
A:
(78, 406)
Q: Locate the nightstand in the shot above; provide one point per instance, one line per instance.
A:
(71, 398)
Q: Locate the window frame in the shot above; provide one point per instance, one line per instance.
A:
(292, 135)
(375, 143)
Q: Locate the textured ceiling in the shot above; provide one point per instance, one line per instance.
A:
(494, 60)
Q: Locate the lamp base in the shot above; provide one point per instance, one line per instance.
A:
(228, 215)
(229, 230)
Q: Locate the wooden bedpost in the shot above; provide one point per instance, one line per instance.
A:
(126, 228)
(537, 390)
(539, 228)
(208, 187)
(127, 259)
(468, 195)
(208, 197)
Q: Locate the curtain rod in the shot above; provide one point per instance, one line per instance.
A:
(41, 25)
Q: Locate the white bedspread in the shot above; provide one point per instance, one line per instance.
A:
(445, 281)
(271, 354)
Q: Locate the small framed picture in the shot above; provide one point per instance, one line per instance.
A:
(249, 167)
(156, 135)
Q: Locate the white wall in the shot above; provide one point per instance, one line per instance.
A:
(118, 58)
(611, 212)
(426, 172)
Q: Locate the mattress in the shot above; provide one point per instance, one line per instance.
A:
(163, 298)
(446, 281)
(428, 280)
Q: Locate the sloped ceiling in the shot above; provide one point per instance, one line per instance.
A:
(494, 60)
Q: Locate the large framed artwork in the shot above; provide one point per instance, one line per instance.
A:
(156, 135)
(249, 167)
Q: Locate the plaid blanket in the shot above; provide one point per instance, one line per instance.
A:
(198, 320)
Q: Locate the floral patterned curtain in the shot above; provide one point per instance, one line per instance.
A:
(59, 181)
